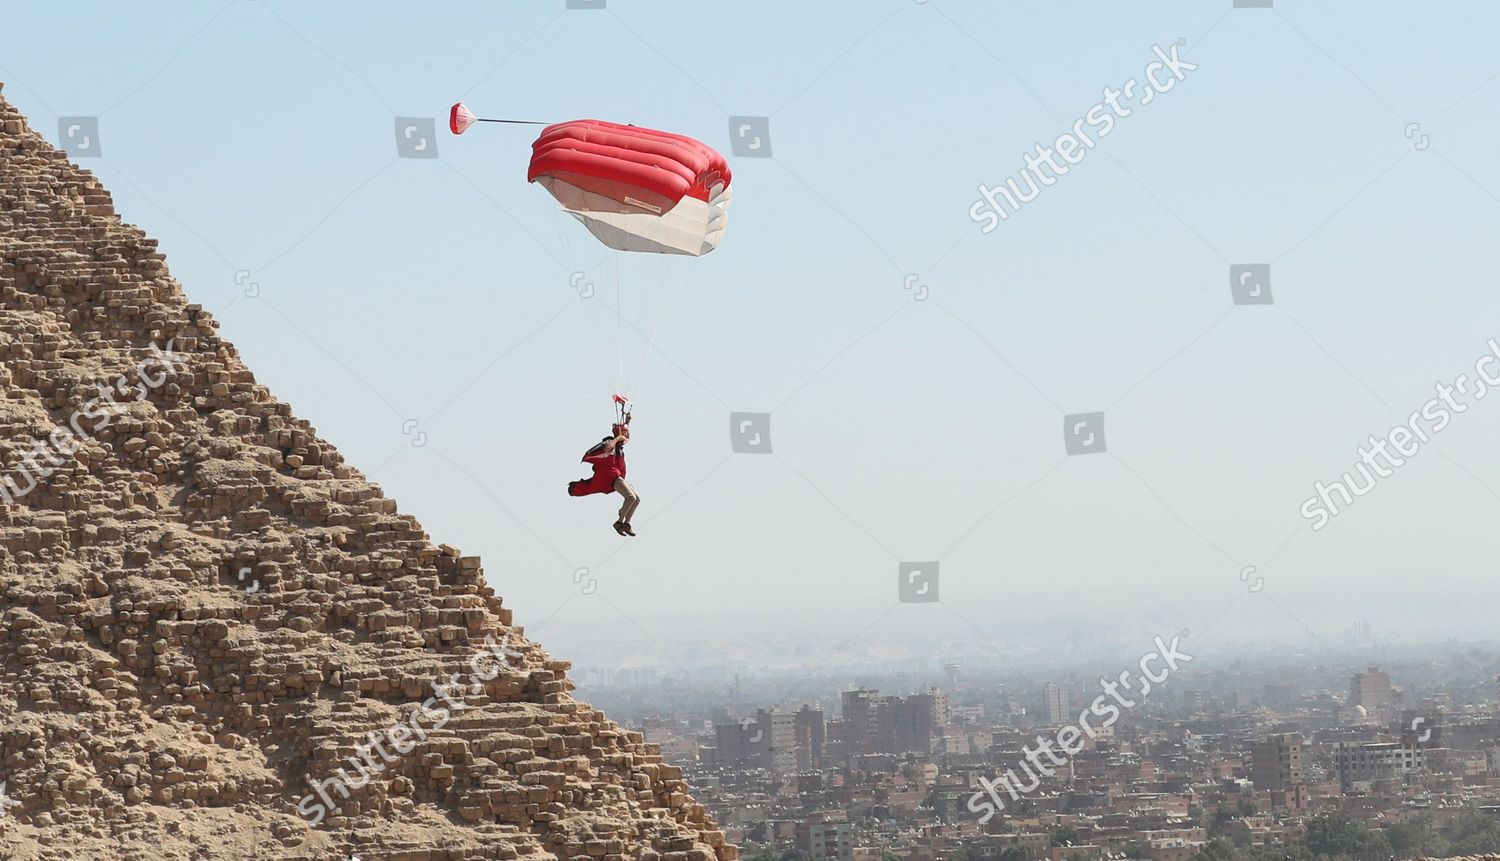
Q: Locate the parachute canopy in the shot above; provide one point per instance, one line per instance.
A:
(635, 189)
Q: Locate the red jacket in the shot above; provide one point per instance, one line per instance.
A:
(607, 468)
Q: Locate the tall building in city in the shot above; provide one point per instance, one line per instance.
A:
(940, 707)
(858, 708)
(1276, 762)
(733, 741)
(768, 741)
(811, 735)
(906, 724)
(1355, 762)
(774, 741)
(1371, 689)
(1055, 706)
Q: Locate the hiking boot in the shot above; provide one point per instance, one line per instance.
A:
(628, 530)
(623, 528)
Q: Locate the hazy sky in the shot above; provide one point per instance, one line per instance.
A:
(260, 136)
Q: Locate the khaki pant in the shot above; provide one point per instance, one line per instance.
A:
(632, 499)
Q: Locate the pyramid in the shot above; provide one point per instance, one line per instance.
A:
(220, 641)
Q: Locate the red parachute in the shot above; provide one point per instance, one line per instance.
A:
(635, 189)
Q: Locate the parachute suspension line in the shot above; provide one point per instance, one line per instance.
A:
(606, 366)
(579, 283)
(661, 316)
(619, 329)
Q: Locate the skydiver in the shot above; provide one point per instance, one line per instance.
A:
(608, 461)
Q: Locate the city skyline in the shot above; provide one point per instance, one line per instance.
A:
(1238, 762)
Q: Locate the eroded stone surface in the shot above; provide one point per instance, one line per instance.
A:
(204, 607)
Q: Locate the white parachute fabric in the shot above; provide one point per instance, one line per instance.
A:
(693, 227)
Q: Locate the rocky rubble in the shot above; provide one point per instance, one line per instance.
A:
(206, 615)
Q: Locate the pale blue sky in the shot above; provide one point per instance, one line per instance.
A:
(259, 136)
